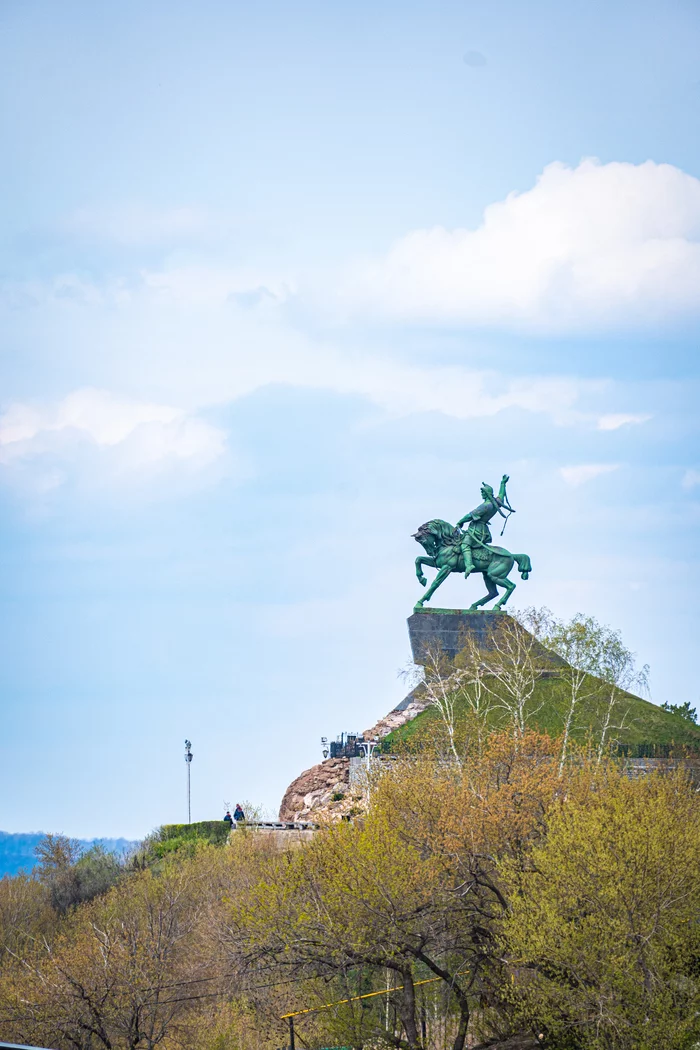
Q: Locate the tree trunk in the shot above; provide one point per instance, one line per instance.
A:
(408, 1011)
(461, 1036)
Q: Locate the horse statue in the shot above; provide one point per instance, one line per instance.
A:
(449, 550)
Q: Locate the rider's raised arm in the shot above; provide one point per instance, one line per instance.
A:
(502, 490)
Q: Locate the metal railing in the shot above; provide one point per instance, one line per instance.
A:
(276, 825)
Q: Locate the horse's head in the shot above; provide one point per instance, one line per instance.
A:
(433, 535)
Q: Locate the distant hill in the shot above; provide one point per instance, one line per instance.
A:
(17, 850)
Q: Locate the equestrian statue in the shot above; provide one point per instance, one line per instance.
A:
(449, 549)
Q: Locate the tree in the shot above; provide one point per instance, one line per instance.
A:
(410, 890)
(57, 856)
(512, 661)
(580, 643)
(595, 665)
(616, 667)
(494, 807)
(73, 874)
(26, 916)
(353, 898)
(115, 974)
(602, 930)
(456, 690)
(684, 710)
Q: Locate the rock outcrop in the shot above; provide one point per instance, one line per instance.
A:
(323, 792)
(323, 789)
(404, 712)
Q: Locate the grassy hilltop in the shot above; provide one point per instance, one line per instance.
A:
(646, 728)
(574, 677)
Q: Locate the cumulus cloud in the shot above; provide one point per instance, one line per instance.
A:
(579, 475)
(596, 245)
(143, 435)
(615, 420)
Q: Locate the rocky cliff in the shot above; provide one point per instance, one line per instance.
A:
(324, 788)
(323, 792)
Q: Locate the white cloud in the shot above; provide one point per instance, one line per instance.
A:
(579, 475)
(691, 478)
(144, 434)
(463, 393)
(621, 419)
(600, 244)
(198, 336)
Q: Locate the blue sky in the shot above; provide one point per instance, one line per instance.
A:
(279, 282)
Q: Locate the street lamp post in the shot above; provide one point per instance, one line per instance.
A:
(368, 748)
(188, 760)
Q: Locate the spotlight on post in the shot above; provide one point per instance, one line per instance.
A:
(188, 760)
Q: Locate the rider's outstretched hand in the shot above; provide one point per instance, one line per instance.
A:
(505, 479)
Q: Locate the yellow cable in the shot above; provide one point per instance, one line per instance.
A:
(367, 995)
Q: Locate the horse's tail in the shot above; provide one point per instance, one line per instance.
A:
(524, 565)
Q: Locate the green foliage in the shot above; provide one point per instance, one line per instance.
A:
(97, 870)
(602, 930)
(646, 725)
(72, 875)
(684, 710)
(486, 901)
(25, 915)
(405, 896)
(170, 838)
(521, 893)
(212, 831)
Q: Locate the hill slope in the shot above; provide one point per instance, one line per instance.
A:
(639, 727)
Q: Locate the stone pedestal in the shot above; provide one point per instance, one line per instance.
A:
(449, 629)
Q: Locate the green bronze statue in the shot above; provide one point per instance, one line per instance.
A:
(449, 549)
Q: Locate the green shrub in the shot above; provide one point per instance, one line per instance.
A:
(212, 831)
(173, 838)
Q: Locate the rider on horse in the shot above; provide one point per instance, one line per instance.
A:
(478, 534)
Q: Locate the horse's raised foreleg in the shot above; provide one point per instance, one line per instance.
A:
(492, 589)
(422, 560)
(440, 578)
